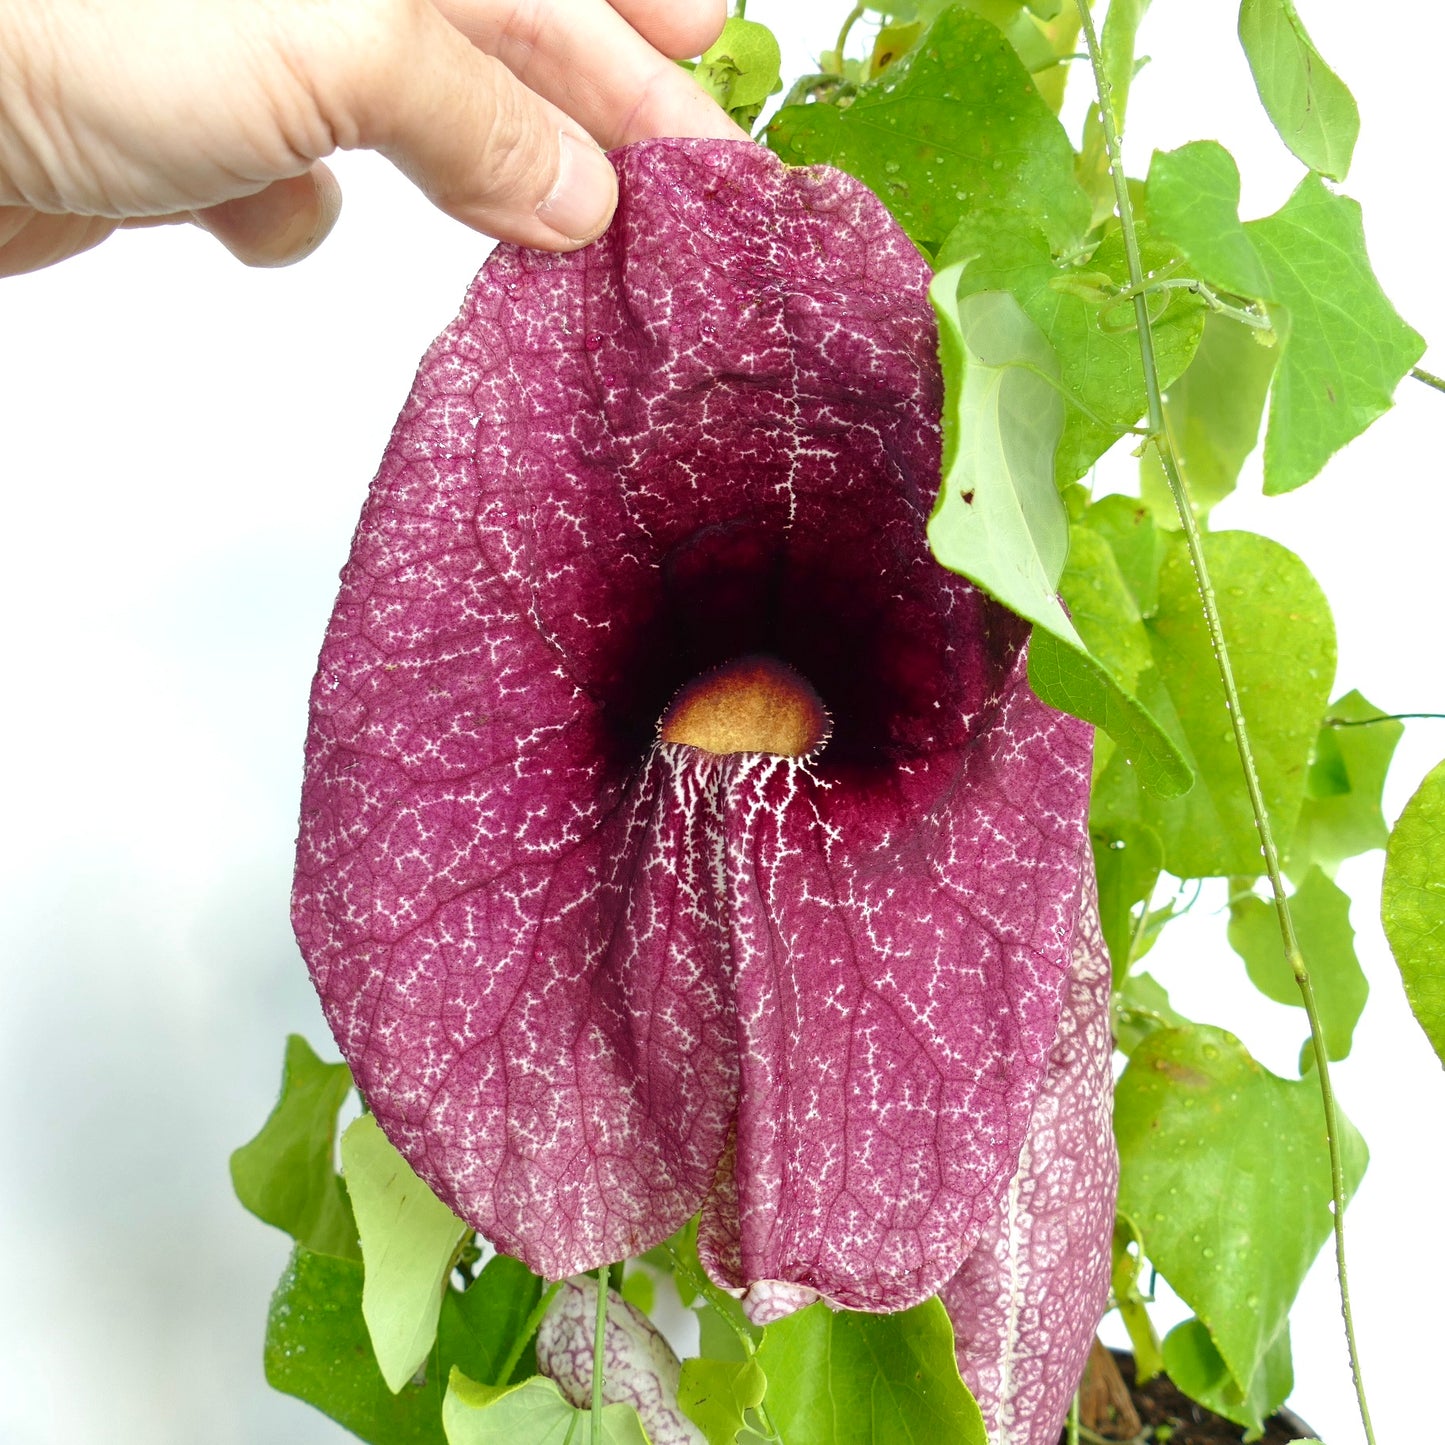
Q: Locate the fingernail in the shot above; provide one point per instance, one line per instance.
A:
(582, 201)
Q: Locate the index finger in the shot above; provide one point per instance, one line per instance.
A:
(679, 28)
(585, 58)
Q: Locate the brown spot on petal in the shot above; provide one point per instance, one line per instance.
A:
(749, 705)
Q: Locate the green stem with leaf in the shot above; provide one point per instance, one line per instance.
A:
(530, 1328)
(1160, 440)
(697, 1281)
(598, 1347)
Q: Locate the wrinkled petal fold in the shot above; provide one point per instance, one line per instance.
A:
(1027, 1301)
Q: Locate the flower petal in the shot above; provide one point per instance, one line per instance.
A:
(1028, 1299)
(585, 980)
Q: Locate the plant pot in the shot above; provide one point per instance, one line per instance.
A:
(1159, 1404)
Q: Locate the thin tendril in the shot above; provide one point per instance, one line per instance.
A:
(1246, 315)
(1364, 722)
(1164, 447)
(854, 16)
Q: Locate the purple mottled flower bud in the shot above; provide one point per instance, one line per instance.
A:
(639, 1367)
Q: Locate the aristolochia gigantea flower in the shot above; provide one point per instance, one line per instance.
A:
(677, 833)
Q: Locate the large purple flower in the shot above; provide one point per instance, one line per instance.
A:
(676, 832)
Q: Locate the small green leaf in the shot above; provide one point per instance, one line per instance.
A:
(1213, 413)
(532, 1413)
(1141, 1007)
(1341, 815)
(1103, 609)
(1137, 544)
(639, 1289)
(1116, 42)
(1310, 106)
(1155, 922)
(741, 69)
(1070, 679)
(1029, 40)
(717, 1329)
(906, 10)
(717, 1394)
(1093, 339)
(1342, 347)
(1196, 1367)
(1321, 915)
(1193, 196)
(1413, 904)
(1131, 1304)
(839, 1378)
(409, 1239)
(287, 1175)
(894, 41)
(1101, 685)
(1225, 1168)
(1127, 863)
(1282, 641)
(1060, 24)
(479, 1325)
(317, 1349)
(955, 125)
(1345, 347)
(1116, 45)
(999, 520)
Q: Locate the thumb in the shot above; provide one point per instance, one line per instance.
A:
(480, 144)
(280, 224)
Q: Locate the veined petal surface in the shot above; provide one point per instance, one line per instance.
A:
(590, 982)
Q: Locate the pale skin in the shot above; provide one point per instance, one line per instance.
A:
(123, 113)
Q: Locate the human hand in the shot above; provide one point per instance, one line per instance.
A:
(142, 112)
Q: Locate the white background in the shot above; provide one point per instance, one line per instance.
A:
(185, 448)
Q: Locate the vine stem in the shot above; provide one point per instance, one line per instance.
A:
(1160, 440)
(854, 16)
(1428, 377)
(598, 1340)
